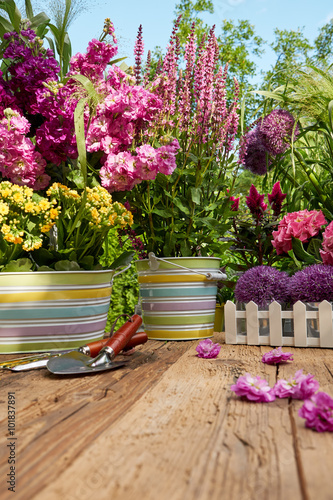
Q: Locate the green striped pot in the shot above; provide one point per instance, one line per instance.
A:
(46, 311)
(178, 304)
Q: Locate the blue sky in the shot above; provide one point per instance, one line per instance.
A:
(156, 17)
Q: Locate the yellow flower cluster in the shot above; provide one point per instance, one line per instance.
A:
(24, 215)
(101, 211)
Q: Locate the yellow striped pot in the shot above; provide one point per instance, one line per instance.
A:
(45, 311)
(177, 303)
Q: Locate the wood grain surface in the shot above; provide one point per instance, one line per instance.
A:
(166, 427)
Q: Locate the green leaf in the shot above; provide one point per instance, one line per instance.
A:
(301, 254)
(181, 206)
(123, 260)
(18, 266)
(195, 195)
(80, 137)
(76, 176)
(66, 265)
(165, 213)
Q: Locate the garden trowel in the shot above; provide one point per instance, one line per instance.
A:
(78, 363)
(38, 361)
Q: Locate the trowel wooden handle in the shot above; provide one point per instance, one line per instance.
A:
(137, 339)
(122, 336)
(93, 348)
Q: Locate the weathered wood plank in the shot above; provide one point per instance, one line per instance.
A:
(57, 417)
(188, 438)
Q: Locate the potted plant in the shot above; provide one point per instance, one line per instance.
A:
(59, 139)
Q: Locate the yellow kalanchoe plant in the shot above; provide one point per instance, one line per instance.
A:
(64, 231)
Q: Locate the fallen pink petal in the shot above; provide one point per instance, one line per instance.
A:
(298, 387)
(253, 388)
(276, 356)
(318, 412)
(207, 349)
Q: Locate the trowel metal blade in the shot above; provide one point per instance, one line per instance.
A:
(77, 363)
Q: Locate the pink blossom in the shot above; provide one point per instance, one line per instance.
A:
(318, 412)
(253, 388)
(276, 198)
(146, 162)
(302, 225)
(298, 387)
(118, 172)
(327, 252)
(207, 349)
(276, 356)
(235, 205)
(255, 202)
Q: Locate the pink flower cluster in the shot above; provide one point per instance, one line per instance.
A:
(118, 133)
(298, 387)
(276, 356)
(19, 161)
(301, 225)
(207, 349)
(318, 412)
(317, 409)
(327, 244)
(256, 389)
(253, 388)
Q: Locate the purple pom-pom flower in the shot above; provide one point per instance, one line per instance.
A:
(312, 284)
(298, 387)
(207, 349)
(318, 412)
(263, 285)
(276, 356)
(253, 388)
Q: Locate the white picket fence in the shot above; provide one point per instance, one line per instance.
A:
(277, 327)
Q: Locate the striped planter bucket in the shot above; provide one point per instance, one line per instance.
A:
(53, 310)
(178, 303)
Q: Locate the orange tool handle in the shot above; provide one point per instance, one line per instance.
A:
(122, 336)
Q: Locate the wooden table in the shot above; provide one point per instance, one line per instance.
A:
(166, 427)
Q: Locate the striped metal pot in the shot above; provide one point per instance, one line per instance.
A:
(46, 311)
(178, 303)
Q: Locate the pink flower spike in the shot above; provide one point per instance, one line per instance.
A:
(298, 387)
(254, 389)
(318, 412)
(207, 349)
(276, 356)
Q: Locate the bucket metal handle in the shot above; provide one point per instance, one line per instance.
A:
(154, 265)
(120, 272)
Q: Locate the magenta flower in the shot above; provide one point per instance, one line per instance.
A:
(301, 225)
(253, 153)
(298, 387)
(255, 202)
(276, 198)
(253, 388)
(318, 412)
(327, 252)
(276, 356)
(235, 203)
(207, 349)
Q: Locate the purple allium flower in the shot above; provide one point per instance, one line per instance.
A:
(253, 153)
(276, 131)
(207, 349)
(253, 388)
(255, 202)
(298, 387)
(276, 356)
(276, 198)
(318, 412)
(312, 284)
(263, 285)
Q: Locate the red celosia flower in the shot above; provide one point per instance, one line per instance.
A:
(276, 198)
(255, 202)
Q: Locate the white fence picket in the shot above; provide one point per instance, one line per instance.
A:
(277, 319)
